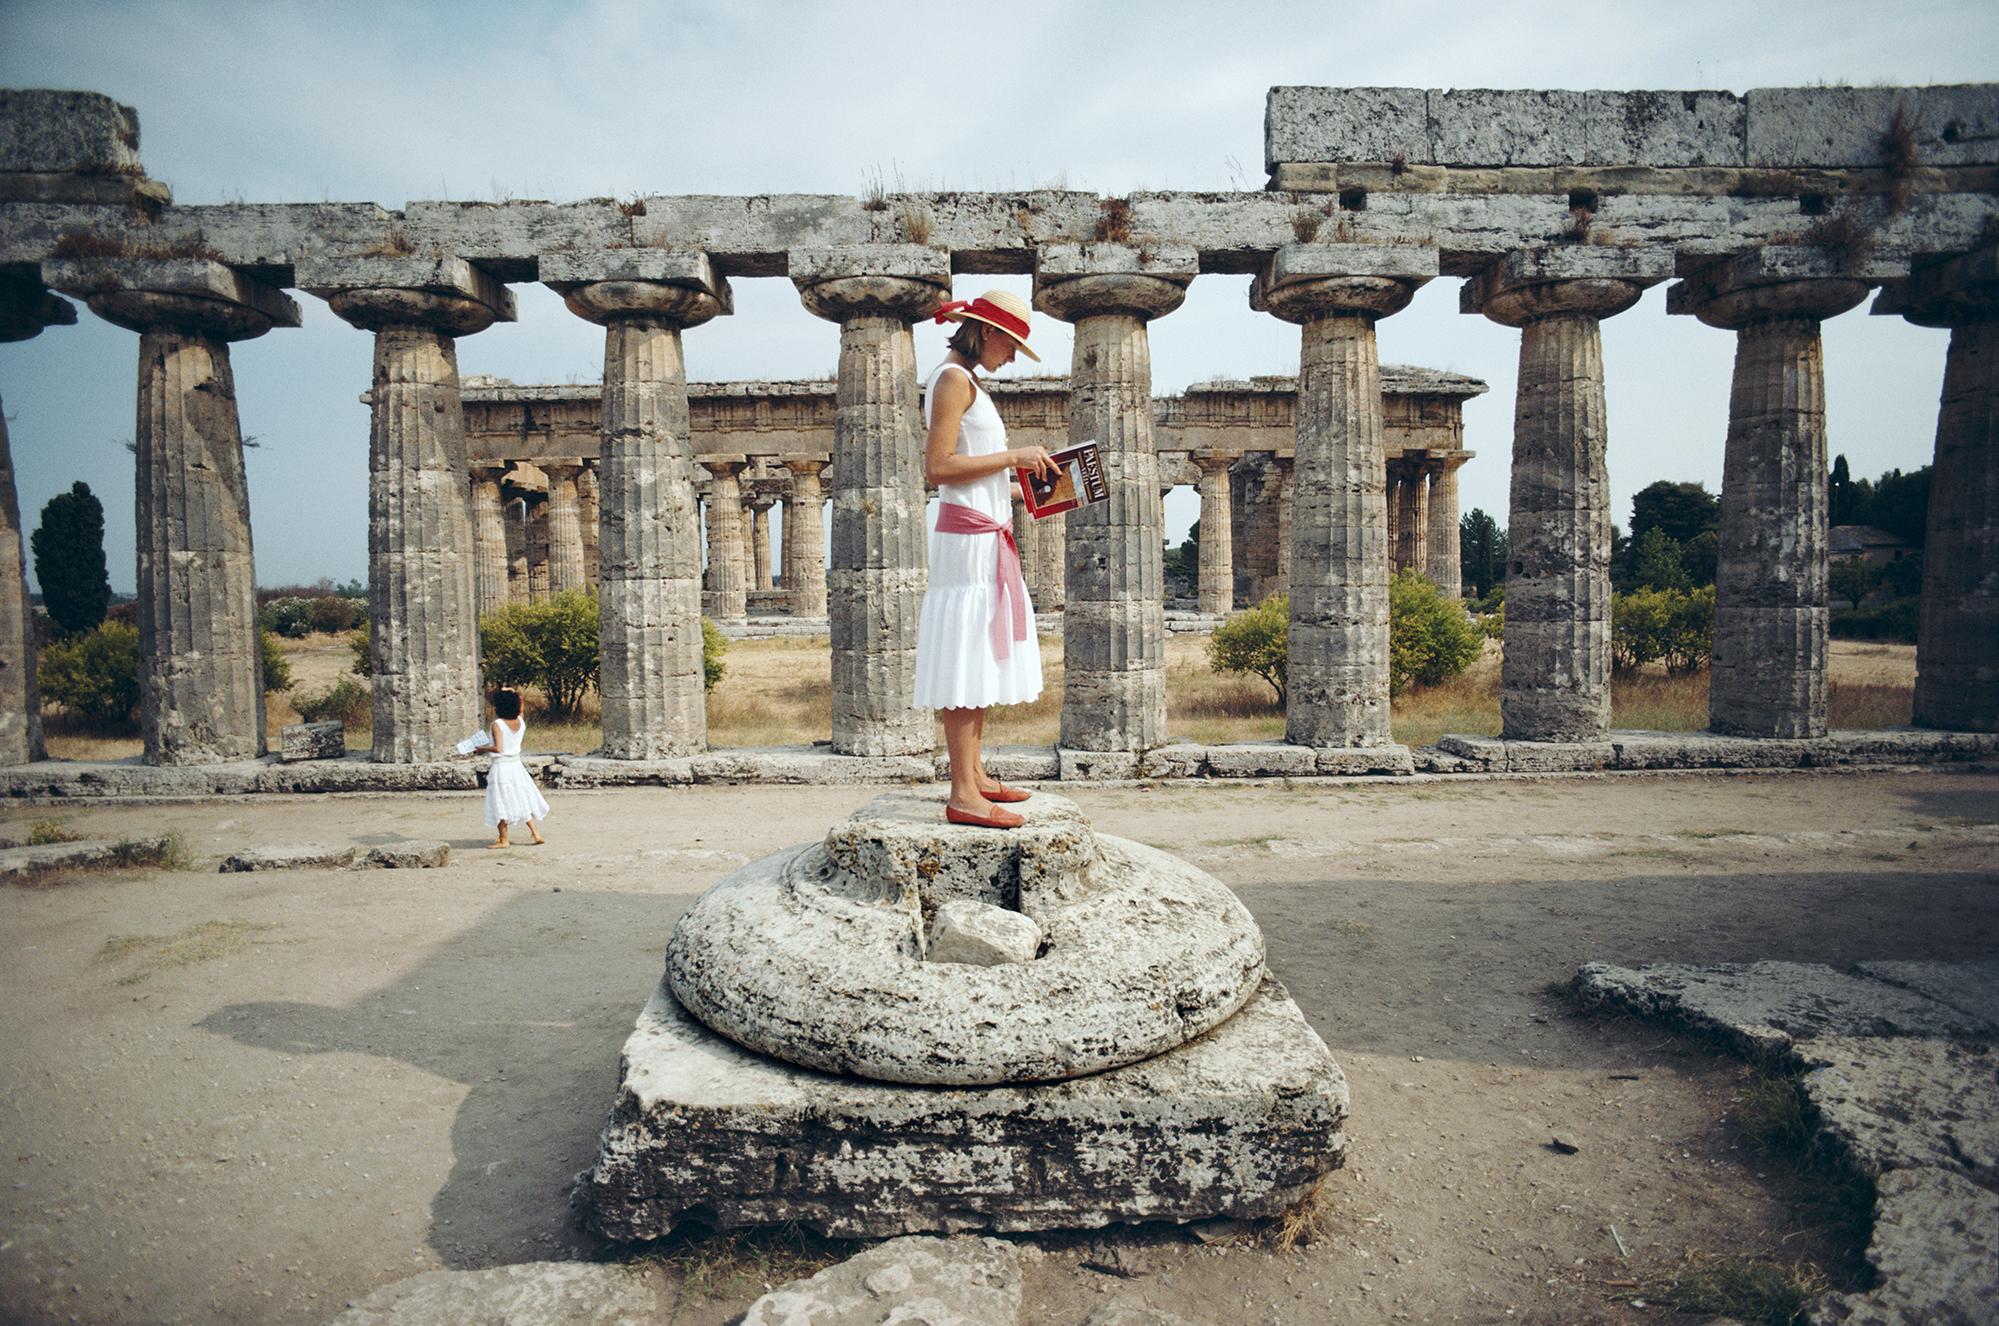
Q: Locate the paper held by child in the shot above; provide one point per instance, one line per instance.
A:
(1077, 481)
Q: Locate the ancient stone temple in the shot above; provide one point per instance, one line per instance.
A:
(1769, 212)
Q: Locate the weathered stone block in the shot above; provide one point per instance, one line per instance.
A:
(1557, 756)
(1173, 262)
(1178, 760)
(1935, 1248)
(1492, 127)
(1346, 124)
(84, 854)
(918, 262)
(974, 1281)
(1391, 759)
(1848, 126)
(1970, 987)
(300, 856)
(1096, 765)
(1261, 760)
(52, 132)
(416, 854)
(1898, 1102)
(313, 741)
(325, 275)
(1017, 763)
(594, 771)
(980, 934)
(1242, 1122)
(1663, 128)
(807, 764)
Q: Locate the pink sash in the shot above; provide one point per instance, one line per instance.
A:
(1010, 602)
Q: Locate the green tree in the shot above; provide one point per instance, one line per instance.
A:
(1682, 510)
(551, 645)
(94, 674)
(1903, 576)
(1255, 641)
(1675, 626)
(68, 547)
(1430, 638)
(277, 668)
(1901, 505)
(1657, 561)
(713, 645)
(1852, 578)
(1481, 553)
(1839, 494)
(1702, 557)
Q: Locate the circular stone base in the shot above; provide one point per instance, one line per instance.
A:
(815, 955)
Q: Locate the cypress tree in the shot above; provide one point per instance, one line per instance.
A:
(68, 547)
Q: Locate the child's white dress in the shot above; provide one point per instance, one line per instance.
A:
(510, 793)
(955, 664)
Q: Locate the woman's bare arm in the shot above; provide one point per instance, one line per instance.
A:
(953, 395)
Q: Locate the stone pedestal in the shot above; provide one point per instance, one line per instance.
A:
(1555, 675)
(1337, 680)
(1217, 570)
(422, 605)
(880, 542)
(726, 597)
(648, 543)
(1771, 614)
(1957, 643)
(1444, 564)
(489, 541)
(200, 670)
(1114, 618)
(805, 539)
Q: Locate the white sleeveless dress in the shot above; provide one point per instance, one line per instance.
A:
(510, 794)
(955, 666)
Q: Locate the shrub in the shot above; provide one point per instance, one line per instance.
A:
(277, 668)
(550, 645)
(346, 700)
(290, 617)
(1674, 625)
(1430, 638)
(1493, 624)
(1254, 641)
(94, 675)
(1852, 578)
(713, 645)
(1893, 621)
(361, 642)
(332, 613)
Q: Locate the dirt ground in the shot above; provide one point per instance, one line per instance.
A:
(255, 1097)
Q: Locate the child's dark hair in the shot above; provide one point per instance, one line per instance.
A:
(507, 702)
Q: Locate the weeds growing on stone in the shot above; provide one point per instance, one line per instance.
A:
(746, 1262)
(1758, 1290)
(1114, 221)
(1306, 1222)
(49, 831)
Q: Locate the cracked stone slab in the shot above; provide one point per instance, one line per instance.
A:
(1970, 987)
(1241, 1122)
(908, 1281)
(1936, 1248)
(1897, 1102)
(1765, 1007)
(544, 1293)
(83, 854)
(295, 856)
(815, 954)
(415, 854)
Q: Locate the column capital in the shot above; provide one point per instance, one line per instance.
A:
(189, 294)
(26, 307)
(1208, 462)
(675, 286)
(723, 467)
(1074, 281)
(1304, 282)
(1963, 288)
(1595, 281)
(907, 281)
(809, 466)
(1777, 282)
(448, 294)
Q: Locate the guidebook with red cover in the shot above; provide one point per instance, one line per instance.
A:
(1078, 481)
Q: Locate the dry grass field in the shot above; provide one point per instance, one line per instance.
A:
(778, 692)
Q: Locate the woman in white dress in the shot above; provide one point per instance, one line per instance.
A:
(511, 795)
(975, 642)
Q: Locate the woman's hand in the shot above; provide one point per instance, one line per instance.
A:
(1036, 459)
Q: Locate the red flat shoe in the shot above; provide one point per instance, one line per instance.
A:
(1005, 793)
(999, 819)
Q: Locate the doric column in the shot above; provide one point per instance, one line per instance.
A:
(1393, 493)
(1027, 538)
(759, 508)
(1114, 625)
(1444, 567)
(1412, 518)
(589, 508)
(423, 609)
(805, 538)
(26, 307)
(1555, 672)
(489, 539)
(535, 516)
(1768, 672)
(726, 597)
(1216, 579)
(1051, 561)
(1337, 680)
(565, 530)
(648, 579)
(1282, 467)
(518, 580)
(200, 671)
(880, 552)
(1957, 640)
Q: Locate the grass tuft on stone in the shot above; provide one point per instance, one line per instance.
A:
(1306, 1222)
(1758, 1290)
(744, 1263)
(43, 832)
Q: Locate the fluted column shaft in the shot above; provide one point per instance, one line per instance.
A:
(200, 673)
(1216, 577)
(1412, 521)
(760, 542)
(1393, 503)
(1444, 565)
(805, 541)
(516, 527)
(489, 539)
(589, 511)
(565, 531)
(1957, 647)
(20, 697)
(1051, 560)
(535, 525)
(727, 593)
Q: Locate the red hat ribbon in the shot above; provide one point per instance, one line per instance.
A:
(992, 313)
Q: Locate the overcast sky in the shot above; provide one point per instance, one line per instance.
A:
(307, 102)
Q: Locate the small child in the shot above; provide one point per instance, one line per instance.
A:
(510, 792)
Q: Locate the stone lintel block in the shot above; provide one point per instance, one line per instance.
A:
(45, 131)
(297, 856)
(1262, 760)
(1508, 127)
(1092, 766)
(327, 275)
(691, 268)
(1390, 758)
(1952, 125)
(1689, 129)
(1240, 1122)
(910, 262)
(1346, 124)
(141, 293)
(313, 741)
(1958, 289)
(1172, 262)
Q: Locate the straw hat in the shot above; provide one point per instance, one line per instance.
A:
(995, 308)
